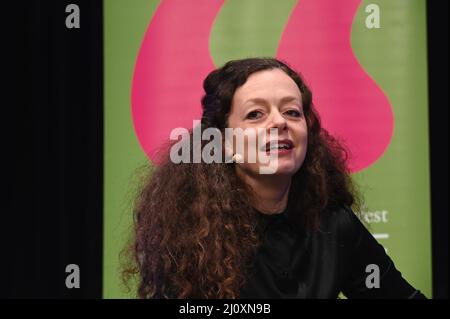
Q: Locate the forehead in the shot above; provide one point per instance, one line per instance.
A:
(267, 84)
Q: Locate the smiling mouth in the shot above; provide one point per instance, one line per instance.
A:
(278, 145)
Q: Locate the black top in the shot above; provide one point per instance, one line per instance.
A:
(294, 263)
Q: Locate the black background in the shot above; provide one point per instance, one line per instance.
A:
(54, 213)
(52, 125)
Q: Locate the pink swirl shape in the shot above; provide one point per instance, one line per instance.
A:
(172, 62)
(316, 41)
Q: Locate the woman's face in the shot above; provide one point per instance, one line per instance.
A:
(271, 99)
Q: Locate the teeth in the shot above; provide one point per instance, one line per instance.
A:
(280, 146)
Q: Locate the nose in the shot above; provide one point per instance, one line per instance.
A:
(278, 121)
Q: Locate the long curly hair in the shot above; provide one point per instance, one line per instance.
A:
(195, 232)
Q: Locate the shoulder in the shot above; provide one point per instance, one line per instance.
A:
(344, 224)
(341, 216)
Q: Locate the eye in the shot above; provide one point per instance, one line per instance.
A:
(294, 113)
(253, 115)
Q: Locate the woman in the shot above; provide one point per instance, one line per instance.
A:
(224, 230)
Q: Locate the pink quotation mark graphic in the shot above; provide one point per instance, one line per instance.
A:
(316, 41)
(174, 59)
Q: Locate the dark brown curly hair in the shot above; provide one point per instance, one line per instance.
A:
(195, 231)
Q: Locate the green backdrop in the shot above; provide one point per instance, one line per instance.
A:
(396, 187)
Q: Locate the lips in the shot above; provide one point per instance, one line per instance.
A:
(284, 144)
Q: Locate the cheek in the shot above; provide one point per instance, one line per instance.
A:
(301, 134)
(305, 137)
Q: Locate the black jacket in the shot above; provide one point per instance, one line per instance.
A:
(341, 257)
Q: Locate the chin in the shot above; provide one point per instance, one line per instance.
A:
(286, 169)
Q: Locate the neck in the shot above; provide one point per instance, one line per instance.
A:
(270, 192)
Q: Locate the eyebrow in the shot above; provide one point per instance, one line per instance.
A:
(284, 100)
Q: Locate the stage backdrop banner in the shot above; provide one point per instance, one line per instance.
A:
(365, 62)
